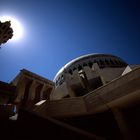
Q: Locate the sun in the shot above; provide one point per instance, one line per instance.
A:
(16, 26)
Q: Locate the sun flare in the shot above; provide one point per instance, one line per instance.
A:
(16, 26)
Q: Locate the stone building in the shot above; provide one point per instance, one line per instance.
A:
(25, 91)
(31, 88)
(95, 96)
(86, 73)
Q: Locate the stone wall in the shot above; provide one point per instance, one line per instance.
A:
(62, 108)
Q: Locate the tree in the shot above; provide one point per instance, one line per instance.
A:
(6, 32)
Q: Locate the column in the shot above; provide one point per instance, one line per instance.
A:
(122, 124)
(32, 90)
(20, 89)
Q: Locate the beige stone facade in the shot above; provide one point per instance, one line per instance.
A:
(102, 98)
(86, 73)
(31, 88)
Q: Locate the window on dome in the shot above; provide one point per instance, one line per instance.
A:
(70, 71)
(56, 82)
(90, 64)
(107, 62)
(101, 62)
(80, 68)
(95, 61)
(74, 68)
(111, 62)
(62, 77)
(85, 64)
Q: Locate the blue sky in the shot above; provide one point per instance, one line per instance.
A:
(57, 31)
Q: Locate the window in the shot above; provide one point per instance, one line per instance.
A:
(90, 64)
(60, 82)
(101, 62)
(95, 61)
(70, 71)
(79, 67)
(84, 80)
(56, 82)
(62, 77)
(111, 62)
(74, 68)
(85, 64)
(106, 62)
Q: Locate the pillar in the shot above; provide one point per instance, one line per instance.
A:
(122, 124)
(20, 90)
(32, 90)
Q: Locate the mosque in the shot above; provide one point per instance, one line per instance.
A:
(95, 96)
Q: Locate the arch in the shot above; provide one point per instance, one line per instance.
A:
(28, 84)
(37, 93)
(107, 62)
(46, 93)
(74, 68)
(96, 61)
(56, 83)
(62, 77)
(90, 64)
(111, 62)
(80, 68)
(101, 62)
(70, 72)
(84, 64)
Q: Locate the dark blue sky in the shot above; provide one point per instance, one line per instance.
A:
(56, 31)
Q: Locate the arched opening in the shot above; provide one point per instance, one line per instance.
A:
(81, 88)
(74, 68)
(95, 61)
(70, 72)
(37, 93)
(85, 64)
(107, 62)
(26, 92)
(46, 93)
(90, 64)
(111, 62)
(80, 68)
(101, 62)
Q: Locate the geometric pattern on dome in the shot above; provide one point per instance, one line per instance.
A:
(103, 60)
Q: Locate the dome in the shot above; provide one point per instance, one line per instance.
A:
(103, 60)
